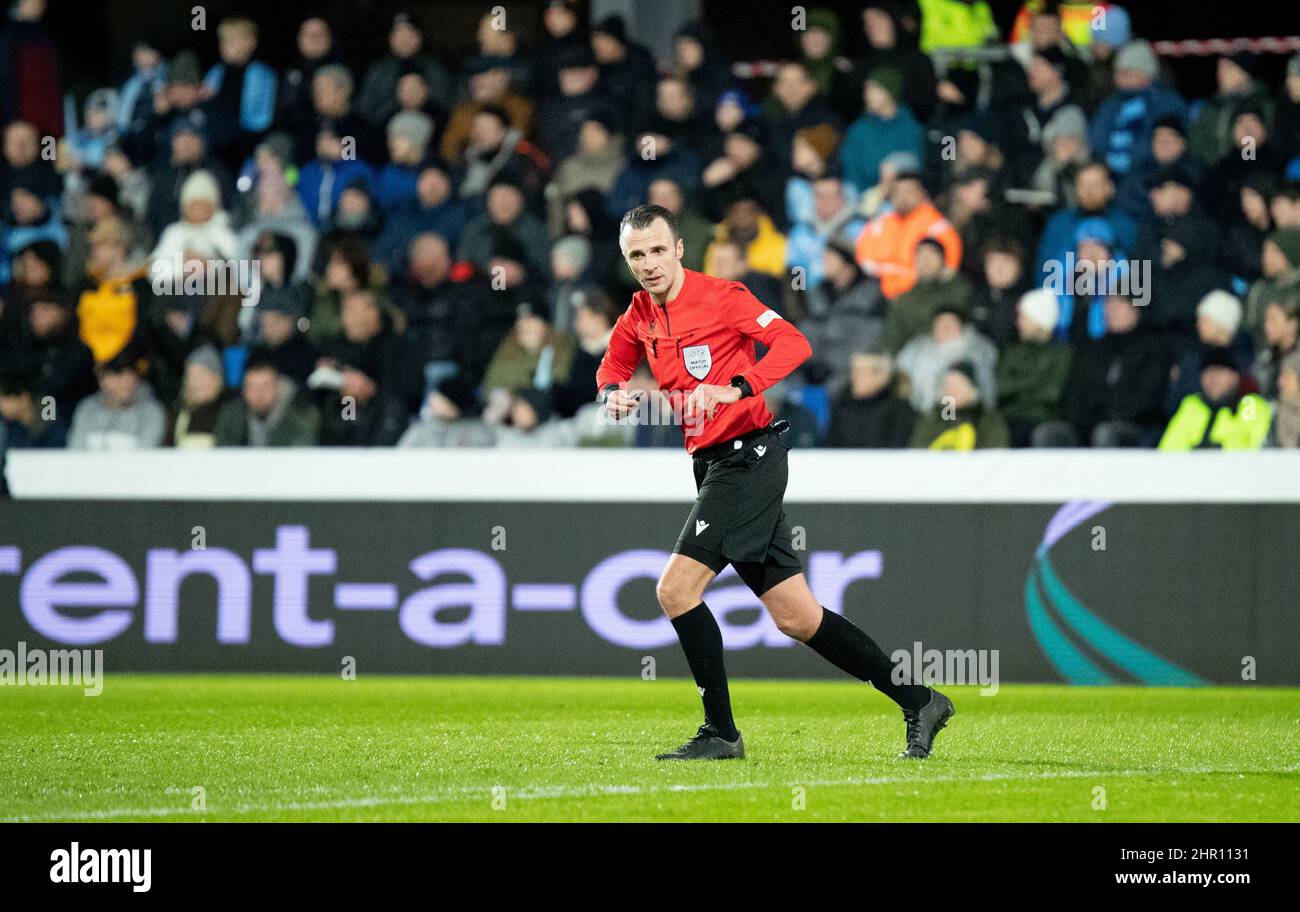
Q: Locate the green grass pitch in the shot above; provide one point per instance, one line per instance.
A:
(528, 749)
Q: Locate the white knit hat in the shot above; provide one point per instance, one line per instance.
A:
(1222, 308)
(1040, 306)
(199, 186)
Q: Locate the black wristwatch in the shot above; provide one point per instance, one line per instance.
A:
(742, 384)
(604, 394)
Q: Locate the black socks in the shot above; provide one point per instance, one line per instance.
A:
(702, 642)
(840, 642)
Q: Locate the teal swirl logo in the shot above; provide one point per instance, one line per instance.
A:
(1071, 636)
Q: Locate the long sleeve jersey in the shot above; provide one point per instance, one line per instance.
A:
(705, 335)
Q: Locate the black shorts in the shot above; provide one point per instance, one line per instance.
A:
(739, 515)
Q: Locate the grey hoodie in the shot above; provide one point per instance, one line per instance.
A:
(96, 426)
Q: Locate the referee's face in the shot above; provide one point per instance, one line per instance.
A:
(653, 256)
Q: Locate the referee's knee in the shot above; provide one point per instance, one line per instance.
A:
(674, 598)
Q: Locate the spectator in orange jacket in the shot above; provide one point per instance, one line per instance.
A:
(887, 245)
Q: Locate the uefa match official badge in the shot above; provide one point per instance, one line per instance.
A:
(699, 360)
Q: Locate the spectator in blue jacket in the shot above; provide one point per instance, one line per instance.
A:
(1095, 192)
(323, 179)
(1120, 134)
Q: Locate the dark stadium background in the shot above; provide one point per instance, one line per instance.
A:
(95, 37)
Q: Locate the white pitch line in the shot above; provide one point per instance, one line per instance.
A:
(542, 792)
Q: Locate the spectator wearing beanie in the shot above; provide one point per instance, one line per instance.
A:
(960, 419)
(192, 420)
(1183, 247)
(1109, 33)
(409, 134)
(1218, 325)
(1280, 265)
(1065, 150)
(1221, 188)
(819, 45)
(204, 229)
(1121, 128)
(892, 41)
(870, 413)
(627, 70)
(579, 99)
(1218, 415)
(884, 126)
(378, 98)
(1032, 371)
(48, 348)
(1209, 132)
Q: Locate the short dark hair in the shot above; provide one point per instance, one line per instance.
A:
(260, 359)
(643, 216)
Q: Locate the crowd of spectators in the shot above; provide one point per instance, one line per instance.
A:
(427, 250)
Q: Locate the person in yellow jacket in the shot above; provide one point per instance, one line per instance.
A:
(754, 231)
(1219, 417)
(109, 307)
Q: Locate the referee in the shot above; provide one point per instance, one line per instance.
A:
(698, 333)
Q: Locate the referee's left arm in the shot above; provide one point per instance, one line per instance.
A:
(787, 347)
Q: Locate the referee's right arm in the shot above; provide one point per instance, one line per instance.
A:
(616, 368)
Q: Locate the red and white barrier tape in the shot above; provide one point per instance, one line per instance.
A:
(1214, 47)
(1191, 47)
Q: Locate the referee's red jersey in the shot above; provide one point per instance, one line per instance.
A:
(705, 335)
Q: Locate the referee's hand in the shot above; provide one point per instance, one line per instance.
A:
(620, 403)
(706, 398)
